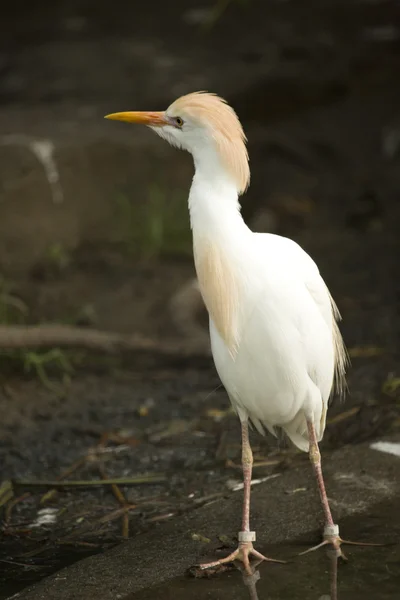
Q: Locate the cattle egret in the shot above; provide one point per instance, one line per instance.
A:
(273, 323)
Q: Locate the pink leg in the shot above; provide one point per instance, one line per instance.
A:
(331, 530)
(315, 458)
(246, 537)
(247, 465)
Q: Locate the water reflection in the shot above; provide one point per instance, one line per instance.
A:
(250, 581)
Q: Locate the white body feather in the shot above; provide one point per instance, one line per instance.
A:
(281, 368)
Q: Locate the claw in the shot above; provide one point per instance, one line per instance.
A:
(361, 543)
(242, 553)
(336, 541)
(313, 548)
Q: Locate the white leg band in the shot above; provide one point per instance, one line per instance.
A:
(247, 536)
(331, 530)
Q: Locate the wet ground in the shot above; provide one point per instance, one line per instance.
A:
(318, 577)
(319, 100)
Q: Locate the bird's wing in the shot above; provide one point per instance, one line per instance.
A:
(326, 304)
(297, 260)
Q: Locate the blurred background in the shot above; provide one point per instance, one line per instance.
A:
(94, 235)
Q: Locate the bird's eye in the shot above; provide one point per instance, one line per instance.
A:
(179, 121)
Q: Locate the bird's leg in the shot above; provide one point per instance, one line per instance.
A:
(247, 466)
(331, 530)
(246, 537)
(315, 458)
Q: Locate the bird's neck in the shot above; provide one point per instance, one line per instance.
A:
(219, 245)
(214, 205)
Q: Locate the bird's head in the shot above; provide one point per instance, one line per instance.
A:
(204, 125)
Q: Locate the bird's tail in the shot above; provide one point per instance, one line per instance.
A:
(297, 430)
(299, 440)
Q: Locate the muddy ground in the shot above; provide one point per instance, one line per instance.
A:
(318, 92)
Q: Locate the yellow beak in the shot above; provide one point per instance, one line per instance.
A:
(152, 119)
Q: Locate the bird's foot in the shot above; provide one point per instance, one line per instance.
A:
(332, 538)
(243, 552)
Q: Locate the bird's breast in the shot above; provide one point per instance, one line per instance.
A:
(220, 286)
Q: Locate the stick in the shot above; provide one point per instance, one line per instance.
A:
(141, 480)
(64, 336)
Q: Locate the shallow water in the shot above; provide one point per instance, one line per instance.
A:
(370, 572)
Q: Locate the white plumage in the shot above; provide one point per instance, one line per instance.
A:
(280, 367)
(283, 369)
(273, 323)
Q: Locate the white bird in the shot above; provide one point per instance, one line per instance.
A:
(273, 323)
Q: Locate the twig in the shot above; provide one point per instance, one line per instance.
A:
(6, 492)
(125, 525)
(71, 469)
(19, 564)
(115, 489)
(64, 336)
(209, 497)
(141, 480)
(111, 516)
(122, 500)
(77, 543)
(160, 517)
(344, 415)
(235, 487)
(123, 512)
